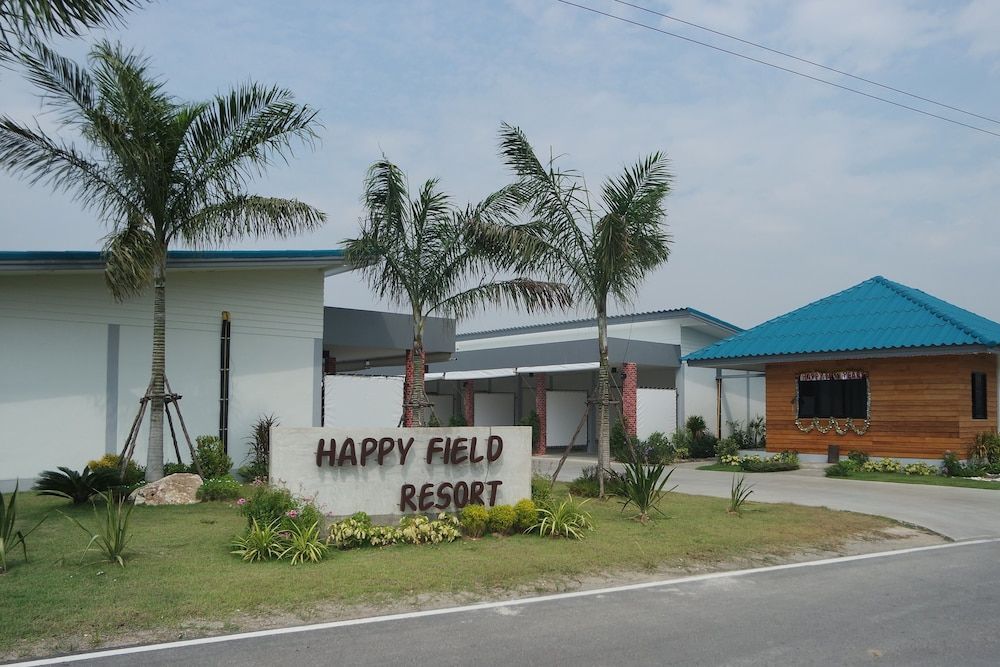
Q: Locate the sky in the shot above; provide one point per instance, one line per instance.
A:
(785, 190)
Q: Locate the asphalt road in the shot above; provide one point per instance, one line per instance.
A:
(930, 607)
(957, 513)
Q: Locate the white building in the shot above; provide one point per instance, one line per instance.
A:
(498, 377)
(74, 363)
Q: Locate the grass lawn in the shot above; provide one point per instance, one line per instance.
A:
(933, 480)
(180, 569)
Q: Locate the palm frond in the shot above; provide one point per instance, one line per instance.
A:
(22, 21)
(532, 295)
(130, 256)
(250, 216)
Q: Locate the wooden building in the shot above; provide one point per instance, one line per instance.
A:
(880, 367)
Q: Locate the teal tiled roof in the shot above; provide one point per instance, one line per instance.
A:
(878, 314)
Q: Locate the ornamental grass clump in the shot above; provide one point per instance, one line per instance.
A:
(77, 487)
(10, 538)
(113, 533)
(567, 519)
(739, 493)
(641, 486)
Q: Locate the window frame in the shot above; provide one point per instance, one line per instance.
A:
(844, 400)
(980, 398)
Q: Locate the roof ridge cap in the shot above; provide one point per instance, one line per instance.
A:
(896, 287)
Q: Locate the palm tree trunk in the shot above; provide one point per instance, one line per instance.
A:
(417, 396)
(154, 450)
(603, 398)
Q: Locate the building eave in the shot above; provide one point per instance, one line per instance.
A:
(758, 363)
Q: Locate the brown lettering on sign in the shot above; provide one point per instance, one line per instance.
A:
(406, 493)
(444, 495)
(330, 454)
(404, 450)
(472, 451)
(432, 447)
(476, 493)
(461, 494)
(494, 448)
(347, 452)
(458, 448)
(368, 447)
(426, 497)
(494, 485)
(385, 445)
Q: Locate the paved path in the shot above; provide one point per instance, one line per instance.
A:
(934, 606)
(956, 513)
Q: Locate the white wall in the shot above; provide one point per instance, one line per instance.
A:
(493, 409)
(356, 400)
(563, 411)
(656, 410)
(54, 343)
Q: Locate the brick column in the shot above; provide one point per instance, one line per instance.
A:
(630, 385)
(540, 410)
(469, 402)
(407, 383)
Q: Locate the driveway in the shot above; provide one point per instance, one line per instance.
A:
(956, 513)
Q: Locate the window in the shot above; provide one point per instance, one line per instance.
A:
(979, 395)
(838, 395)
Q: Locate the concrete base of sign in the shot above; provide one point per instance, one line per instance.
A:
(395, 471)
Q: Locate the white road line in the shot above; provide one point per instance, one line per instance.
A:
(110, 653)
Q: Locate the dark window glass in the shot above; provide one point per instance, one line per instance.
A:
(979, 395)
(833, 398)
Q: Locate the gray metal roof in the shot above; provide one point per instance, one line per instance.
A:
(620, 350)
(647, 316)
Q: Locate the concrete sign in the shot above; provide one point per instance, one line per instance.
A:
(403, 470)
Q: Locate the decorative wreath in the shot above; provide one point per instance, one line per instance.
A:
(825, 425)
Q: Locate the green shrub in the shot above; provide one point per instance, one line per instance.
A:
(839, 469)
(585, 488)
(532, 421)
(474, 520)
(260, 542)
(695, 438)
(858, 458)
(695, 425)
(658, 449)
(501, 520)
(564, 520)
(174, 468)
(259, 453)
(75, 486)
(134, 473)
(113, 533)
(220, 488)
(457, 420)
(541, 488)
(726, 447)
(919, 469)
(212, 457)
(266, 504)
(434, 422)
(953, 467)
(620, 441)
(302, 544)
(527, 515)
(352, 532)
(384, 536)
(985, 450)
(882, 465)
(421, 530)
(786, 460)
(751, 436)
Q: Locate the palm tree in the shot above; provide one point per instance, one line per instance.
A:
(158, 172)
(24, 22)
(601, 251)
(419, 253)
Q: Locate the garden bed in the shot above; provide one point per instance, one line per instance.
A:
(180, 576)
(934, 480)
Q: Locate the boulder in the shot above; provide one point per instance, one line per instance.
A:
(178, 489)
